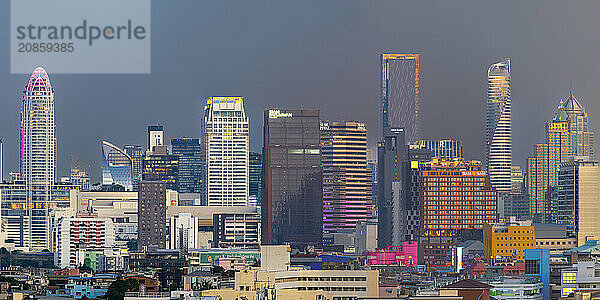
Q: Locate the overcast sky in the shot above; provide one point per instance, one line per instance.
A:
(325, 55)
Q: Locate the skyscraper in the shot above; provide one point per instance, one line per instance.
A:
(392, 163)
(38, 154)
(38, 131)
(160, 166)
(255, 174)
(577, 194)
(347, 183)
(152, 215)
(400, 94)
(443, 149)
(227, 146)
(542, 166)
(117, 166)
(292, 201)
(155, 136)
(190, 174)
(499, 126)
(583, 139)
(136, 154)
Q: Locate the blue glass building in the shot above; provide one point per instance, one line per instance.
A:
(117, 166)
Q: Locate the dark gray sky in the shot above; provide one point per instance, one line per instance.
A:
(325, 54)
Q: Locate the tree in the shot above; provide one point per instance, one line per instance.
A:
(117, 290)
(132, 285)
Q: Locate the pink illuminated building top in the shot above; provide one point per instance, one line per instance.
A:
(405, 255)
(39, 81)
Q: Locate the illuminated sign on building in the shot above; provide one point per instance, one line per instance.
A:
(275, 113)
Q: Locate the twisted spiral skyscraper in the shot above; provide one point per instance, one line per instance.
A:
(499, 126)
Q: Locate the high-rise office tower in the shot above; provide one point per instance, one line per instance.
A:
(136, 154)
(227, 146)
(155, 136)
(542, 166)
(292, 201)
(255, 176)
(443, 149)
(117, 166)
(160, 166)
(583, 139)
(576, 197)
(400, 94)
(347, 183)
(190, 174)
(392, 162)
(499, 126)
(152, 215)
(38, 155)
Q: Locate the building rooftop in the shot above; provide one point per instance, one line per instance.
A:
(466, 284)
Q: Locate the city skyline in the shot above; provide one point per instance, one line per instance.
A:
(321, 72)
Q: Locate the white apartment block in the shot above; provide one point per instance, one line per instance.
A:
(226, 144)
(74, 234)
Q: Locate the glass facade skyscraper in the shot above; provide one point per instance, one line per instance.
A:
(255, 173)
(136, 154)
(226, 144)
(117, 166)
(190, 173)
(499, 126)
(292, 201)
(400, 94)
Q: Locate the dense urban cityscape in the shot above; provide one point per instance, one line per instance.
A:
(240, 161)
(316, 215)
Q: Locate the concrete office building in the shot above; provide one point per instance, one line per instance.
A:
(347, 183)
(152, 215)
(16, 213)
(226, 147)
(155, 137)
(183, 229)
(120, 207)
(292, 202)
(236, 230)
(457, 195)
